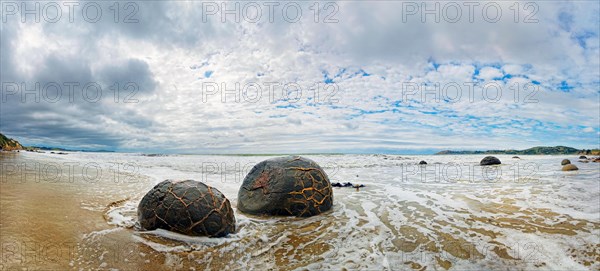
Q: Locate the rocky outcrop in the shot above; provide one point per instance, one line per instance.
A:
(9, 144)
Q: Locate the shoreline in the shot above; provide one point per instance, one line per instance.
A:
(398, 218)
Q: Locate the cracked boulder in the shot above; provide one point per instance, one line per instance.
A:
(289, 186)
(187, 207)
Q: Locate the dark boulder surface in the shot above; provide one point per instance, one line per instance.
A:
(565, 162)
(347, 184)
(489, 160)
(187, 207)
(422, 163)
(583, 157)
(290, 185)
(569, 167)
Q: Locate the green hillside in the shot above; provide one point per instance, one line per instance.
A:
(9, 144)
(530, 151)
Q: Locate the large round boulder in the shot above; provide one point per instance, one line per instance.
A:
(490, 160)
(187, 207)
(291, 185)
(565, 162)
(569, 167)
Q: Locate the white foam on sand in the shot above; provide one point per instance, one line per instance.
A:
(124, 215)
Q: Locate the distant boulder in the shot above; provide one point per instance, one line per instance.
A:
(569, 167)
(348, 184)
(516, 157)
(422, 163)
(565, 162)
(490, 160)
(582, 157)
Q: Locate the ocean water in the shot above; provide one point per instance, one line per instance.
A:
(78, 211)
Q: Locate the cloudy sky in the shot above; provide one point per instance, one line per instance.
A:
(306, 76)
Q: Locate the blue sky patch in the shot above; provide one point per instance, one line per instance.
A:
(565, 87)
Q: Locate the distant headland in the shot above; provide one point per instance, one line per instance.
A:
(530, 151)
(9, 144)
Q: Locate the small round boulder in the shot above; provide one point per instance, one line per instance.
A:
(422, 162)
(565, 162)
(289, 186)
(569, 167)
(490, 160)
(187, 207)
(583, 157)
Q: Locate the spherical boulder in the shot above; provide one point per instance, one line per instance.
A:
(565, 162)
(187, 207)
(490, 160)
(422, 162)
(291, 185)
(569, 167)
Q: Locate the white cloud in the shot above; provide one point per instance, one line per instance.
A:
(490, 73)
